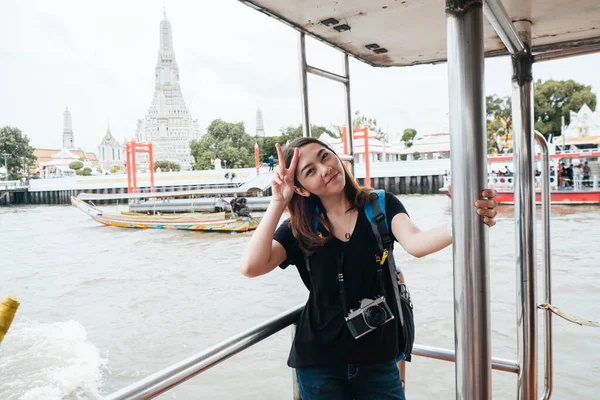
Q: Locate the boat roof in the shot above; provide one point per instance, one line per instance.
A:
(412, 32)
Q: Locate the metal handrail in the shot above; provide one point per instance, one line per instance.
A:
(180, 372)
(437, 353)
(547, 264)
(167, 378)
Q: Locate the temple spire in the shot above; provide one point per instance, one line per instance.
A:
(68, 137)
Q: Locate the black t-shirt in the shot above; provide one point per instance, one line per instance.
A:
(322, 337)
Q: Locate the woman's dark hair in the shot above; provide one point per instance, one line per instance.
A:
(303, 209)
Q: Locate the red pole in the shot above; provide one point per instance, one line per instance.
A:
(345, 140)
(256, 158)
(151, 156)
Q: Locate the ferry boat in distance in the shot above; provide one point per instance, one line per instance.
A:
(579, 193)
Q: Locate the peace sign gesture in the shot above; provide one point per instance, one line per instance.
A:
(283, 178)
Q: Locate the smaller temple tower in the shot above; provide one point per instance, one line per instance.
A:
(260, 125)
(68, 137)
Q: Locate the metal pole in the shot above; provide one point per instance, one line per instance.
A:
(570, 52)
(498, 17)
(524, 156)
(304, 86)
(326, 74)
(350, 130)
(469, 178)
(547, 263)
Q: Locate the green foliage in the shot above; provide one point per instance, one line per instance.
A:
(554, 99)
(79, 171)
(164, 166)
(360, 120)
(408, 136)
(76, 165)
(16, 144)
(498, 123)
(116, 168)
(227, 141)
(87, 171)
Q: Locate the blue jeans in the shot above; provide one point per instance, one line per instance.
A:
(351, 381)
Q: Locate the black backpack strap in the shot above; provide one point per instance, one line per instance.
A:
(386, 246)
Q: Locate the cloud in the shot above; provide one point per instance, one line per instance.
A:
(99, 59)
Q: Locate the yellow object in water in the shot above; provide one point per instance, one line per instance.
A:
(8, 308)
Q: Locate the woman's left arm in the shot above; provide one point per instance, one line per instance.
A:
(421, 243)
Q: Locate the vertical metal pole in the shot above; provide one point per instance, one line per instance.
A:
(469, 176)
(547, 263)
(304, 86)
(522, 112)
(350, 129)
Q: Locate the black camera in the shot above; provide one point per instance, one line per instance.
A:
(370, 315)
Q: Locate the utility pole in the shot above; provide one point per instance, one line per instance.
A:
(5, 154)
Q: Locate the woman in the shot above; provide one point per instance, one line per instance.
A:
(312, 182)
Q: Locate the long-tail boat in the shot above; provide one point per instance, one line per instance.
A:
(218, 221)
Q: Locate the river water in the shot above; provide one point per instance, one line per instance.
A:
(103, 307)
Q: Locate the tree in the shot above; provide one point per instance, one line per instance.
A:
(498, 123)
(555, 99)
(360, 120)
(408, 136)
(226, 141)
(116, 168)
(167, 166)
(20, 154)
(75, 165)
(87, 171)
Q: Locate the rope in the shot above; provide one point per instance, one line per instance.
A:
(568, 317)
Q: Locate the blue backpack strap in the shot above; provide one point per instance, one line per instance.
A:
(315, 222)
(375, 211)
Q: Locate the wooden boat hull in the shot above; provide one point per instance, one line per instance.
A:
(217, 222)
(557, 197)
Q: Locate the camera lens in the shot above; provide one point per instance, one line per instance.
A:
(375, 316)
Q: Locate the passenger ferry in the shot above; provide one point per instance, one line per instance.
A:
(579, 193)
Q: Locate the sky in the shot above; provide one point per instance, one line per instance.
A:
(98, 59)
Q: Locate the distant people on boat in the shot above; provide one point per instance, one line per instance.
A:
(227, 175)
(578, 176)
(271, 163)
(570, 175)
(345, 346)
(587, 171)
(239, 206)
(508, 171)
(219, 204)
(232, 176)
(560, 174)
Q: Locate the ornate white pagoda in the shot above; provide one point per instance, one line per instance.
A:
(168, 124)
(68, 137)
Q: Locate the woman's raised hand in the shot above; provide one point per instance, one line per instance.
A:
(283, 178)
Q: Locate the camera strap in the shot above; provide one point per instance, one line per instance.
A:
(339, 260)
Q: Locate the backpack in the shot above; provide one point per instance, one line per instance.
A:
(375, 211)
